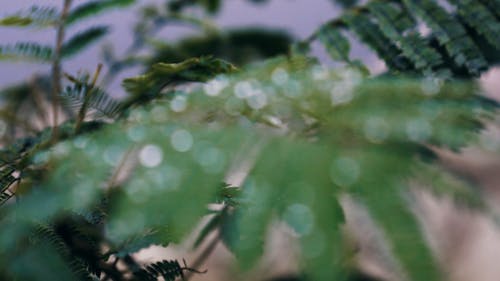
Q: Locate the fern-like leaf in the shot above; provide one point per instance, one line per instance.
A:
(211, 6)
(394, 22)
(480, 18)
(92, 8)
(5, 196)
(451, 34)
(35, 16)
(27, 51)
(47, 234)
(6, 178)
(335, 42)
(327, 133)
(493, 5)
(372, 35)
(345, 3)
(169, 270)
(99, 100)
(83, 40)
(392, 30)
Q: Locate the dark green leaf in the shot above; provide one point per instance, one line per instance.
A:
(83, 40)
(335, 42)
(451, 34)
(92, 8)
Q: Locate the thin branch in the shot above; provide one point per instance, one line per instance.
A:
(86, 99)
(204, 255)
(56, 66)
(39, 103)
(139, 41)
(119, 169)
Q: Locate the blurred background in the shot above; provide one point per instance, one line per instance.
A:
(469, 244)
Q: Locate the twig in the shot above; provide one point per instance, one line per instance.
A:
(114, 177)
(56, 67)
(203, 256)
(86, 99)
(117, 66)
(39, 103)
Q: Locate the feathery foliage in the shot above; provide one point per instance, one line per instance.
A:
(391, 29)
(34, 16)
(91, 192)
(82, 92)
(26, 51)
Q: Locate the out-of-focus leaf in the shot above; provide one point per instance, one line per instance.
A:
(82, 40)
(237, 46)
(35, 16)
(335, 42)
(26, 51)
(91, 8)
(147, 86)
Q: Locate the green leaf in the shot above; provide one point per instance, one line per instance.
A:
(99, 100)
(145, 87)
(6, 178)
(345, 3)
(480, 18)
(26, 51)
(91, 8)
(5, 196)
(444, 185)
(47, 234)
(372, 35)
(83, 40)
(239, 46)
(300, 134)
(16, 21)
(493, 5)
(170, 270)
(35, 16)
(50, 265)
(291, 181)
(451, 34)
(335, 42)
(383, 191)
(394, 21)
(212, 5)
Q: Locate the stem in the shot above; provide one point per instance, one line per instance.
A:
(86, 99)
(204, 255)
(39, 103)
(111, 271)
(114, 178)
(56, 67)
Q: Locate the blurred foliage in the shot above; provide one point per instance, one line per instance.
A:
(80, 197)
(238, 46)
(460, 43)
(211, 6)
